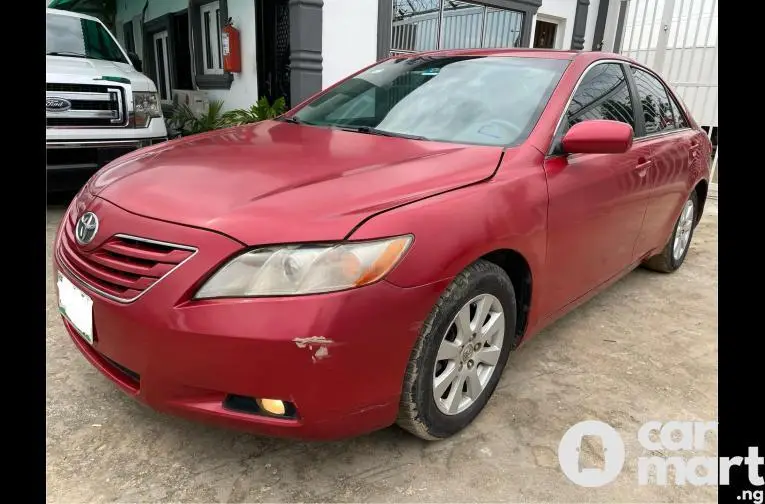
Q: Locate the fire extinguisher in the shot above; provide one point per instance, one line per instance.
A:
(232, 52)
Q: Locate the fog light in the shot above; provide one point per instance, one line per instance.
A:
(273, 406)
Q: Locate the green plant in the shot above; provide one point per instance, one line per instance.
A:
(186, 121)
(259, 111)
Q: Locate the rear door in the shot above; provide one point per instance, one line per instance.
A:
(596, 201)
(672, 143)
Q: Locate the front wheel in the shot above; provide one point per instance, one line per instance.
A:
(459, 357)
(673, 254)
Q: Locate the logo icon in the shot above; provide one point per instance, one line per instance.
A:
(53, 104)
(86, 229)
(571, 454)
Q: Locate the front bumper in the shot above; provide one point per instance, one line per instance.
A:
(69, 161)
(339, 358)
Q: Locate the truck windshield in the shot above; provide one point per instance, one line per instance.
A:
(493, 100)
(79, 38)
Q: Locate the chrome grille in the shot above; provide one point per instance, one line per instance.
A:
(91, 106)
(123, 267)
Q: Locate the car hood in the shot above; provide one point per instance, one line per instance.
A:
(277, 182)
(68, 69)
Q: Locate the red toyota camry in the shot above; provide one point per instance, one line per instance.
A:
(375, 254)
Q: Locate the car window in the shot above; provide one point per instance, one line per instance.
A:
(79, 38)
(680, 119)
(602, 94)
(657, 111)
(462, 99)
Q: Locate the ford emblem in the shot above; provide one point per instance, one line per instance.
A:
(53, 104)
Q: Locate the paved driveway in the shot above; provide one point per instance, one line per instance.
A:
(646, 349)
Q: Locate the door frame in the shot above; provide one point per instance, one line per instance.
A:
(150, 29)
(164, 37)
(264, 57)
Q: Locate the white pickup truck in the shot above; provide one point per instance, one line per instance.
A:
(98, 105)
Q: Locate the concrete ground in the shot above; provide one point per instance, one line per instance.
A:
(646, 349)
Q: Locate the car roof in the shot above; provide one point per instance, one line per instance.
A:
(525, 53)
(71, 14)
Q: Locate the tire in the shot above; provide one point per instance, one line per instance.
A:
(667, 261)
(420, 411)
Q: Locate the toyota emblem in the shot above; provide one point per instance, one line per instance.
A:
(87, 227)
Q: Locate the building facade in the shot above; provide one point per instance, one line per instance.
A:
(294, 48)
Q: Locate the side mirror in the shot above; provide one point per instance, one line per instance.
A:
(598, 137)
(136, 61)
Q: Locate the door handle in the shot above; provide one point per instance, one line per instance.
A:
(693, 150)
(642, 166)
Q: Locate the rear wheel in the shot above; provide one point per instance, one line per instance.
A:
(673, 254)
(459, 357)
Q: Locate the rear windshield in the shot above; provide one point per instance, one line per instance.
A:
(467, 99)
(79, 38)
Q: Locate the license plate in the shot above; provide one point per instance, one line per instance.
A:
(76, 306)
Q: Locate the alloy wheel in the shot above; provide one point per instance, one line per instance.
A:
(684, 228)
(468, 354)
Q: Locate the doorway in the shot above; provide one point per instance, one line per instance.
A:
(182, 54)
(544, 35)
(273, 49)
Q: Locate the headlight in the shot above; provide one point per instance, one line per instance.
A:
(145, 106)
(305, 269)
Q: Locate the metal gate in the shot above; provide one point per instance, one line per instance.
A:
(678, 39)
(426, 25)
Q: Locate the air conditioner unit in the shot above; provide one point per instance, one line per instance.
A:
(197, 101)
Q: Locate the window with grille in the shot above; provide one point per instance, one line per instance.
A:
(212, 59)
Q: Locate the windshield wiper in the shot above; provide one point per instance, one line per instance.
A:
(66, 53)
(374, 131)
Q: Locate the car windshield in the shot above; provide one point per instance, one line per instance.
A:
(467, 99)
(79, 38)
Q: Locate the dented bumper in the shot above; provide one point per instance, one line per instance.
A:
(339, 358)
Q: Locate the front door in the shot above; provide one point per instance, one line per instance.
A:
(596, 201)
(273, 49)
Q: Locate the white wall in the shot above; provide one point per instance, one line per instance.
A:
(244, 89)
(348, 39)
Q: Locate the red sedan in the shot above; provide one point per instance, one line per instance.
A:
(375, 254)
